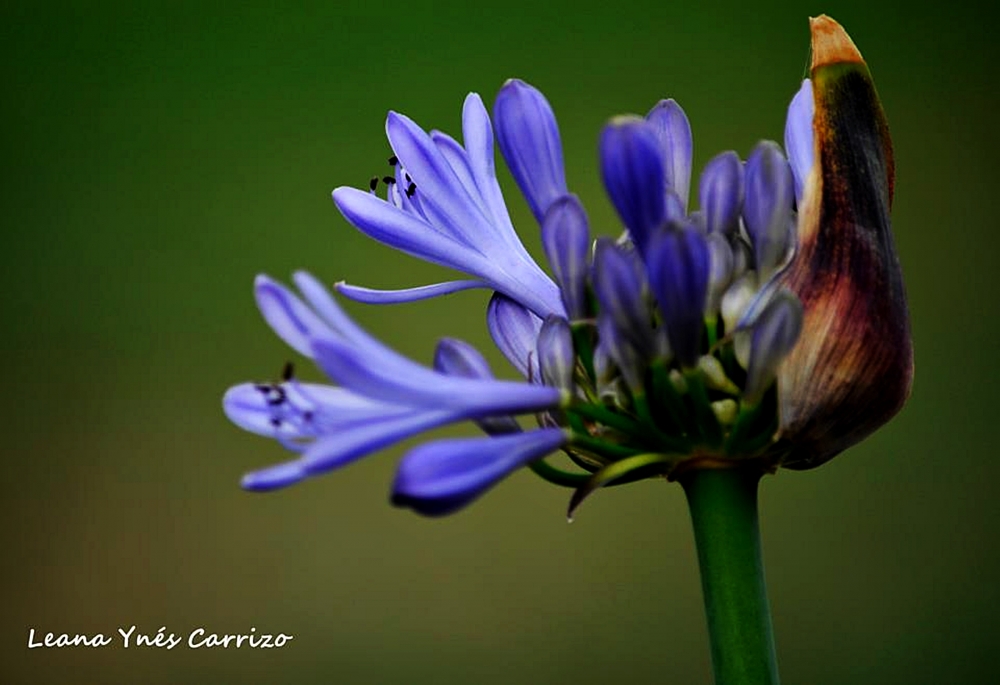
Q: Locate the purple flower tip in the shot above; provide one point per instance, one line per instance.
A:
(274, 477)
(632, 169)
(529, 141)
(720, 193)
(673, 131)
(440, 477)
(678, 265)
(566, 239)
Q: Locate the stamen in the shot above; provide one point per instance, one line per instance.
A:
(373, 183)
(292, 411)
(288, 371)
(388, 180)
(410, 189)
(393, 160)
(276, 396)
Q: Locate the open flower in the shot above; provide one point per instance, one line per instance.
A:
(766, 328)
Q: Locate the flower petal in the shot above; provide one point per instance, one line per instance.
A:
(332, 314)
(292, 320)
(799, 140)
(477, 134)
(556, 357)
(418, 386)
(502, 269)
(458, 160)
(424, 292)
(274, 477)
(774, 335)
(632, 169)
(720, 272)
(456, 357)
(291, 411)
(566, 239)
(444, 198)
(618, 285)
(440, 477)
(514, 330)
(720, 193)
(343, 447)
(619, 349)
(678, 268)
(767, 211)
(529, 141)
(673, 130)
(403, 231)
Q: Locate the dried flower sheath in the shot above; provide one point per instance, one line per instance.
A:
(853, 366)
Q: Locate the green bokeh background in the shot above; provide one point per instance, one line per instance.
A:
(157, 156)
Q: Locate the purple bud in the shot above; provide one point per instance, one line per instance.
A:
(514, 329)
(674, 210)
(799, 139)
(720, 193)
(555, 352)
(618, 284)
(529, 142)
(439, 477)
(720, 270)
(632, 169)
(678, 266)
(674, 135)
(566, 240)
(742, 256)
(768, 205)
(621, 351)
(775, 333)
(456, 357)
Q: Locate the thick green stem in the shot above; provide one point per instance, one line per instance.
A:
(723, 505)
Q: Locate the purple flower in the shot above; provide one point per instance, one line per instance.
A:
(383, 397)
(449, 212)
(665, 350)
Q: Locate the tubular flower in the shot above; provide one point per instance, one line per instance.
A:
(751, 331)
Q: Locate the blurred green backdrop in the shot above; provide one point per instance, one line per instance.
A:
(157, 156)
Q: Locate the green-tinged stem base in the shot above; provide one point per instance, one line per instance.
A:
(723, 505)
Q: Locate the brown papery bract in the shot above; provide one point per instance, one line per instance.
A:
(852, 368)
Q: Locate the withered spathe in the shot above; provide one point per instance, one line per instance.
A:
(852, 368)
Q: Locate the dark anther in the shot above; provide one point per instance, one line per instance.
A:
(288, 371)
(410, 189)
(388, 180)
(275, 421)
(393, 161)
(262, 387)
(373, 184)
(408, 179)
(276, 396)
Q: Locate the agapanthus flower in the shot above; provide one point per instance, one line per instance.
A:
(767, 327)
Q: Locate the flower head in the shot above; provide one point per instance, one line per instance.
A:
(758, 329)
